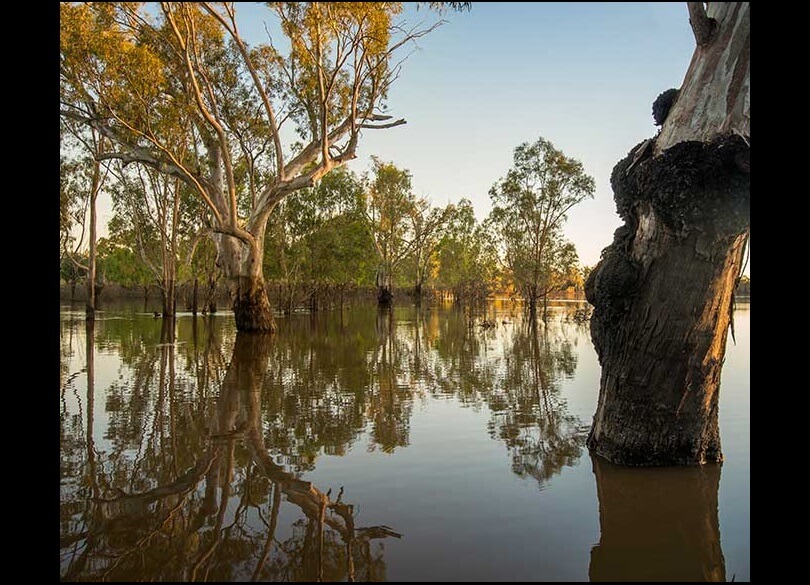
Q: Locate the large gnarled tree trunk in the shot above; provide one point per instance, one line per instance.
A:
(242, 265)
(662, 293)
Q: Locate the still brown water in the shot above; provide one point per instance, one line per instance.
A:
(371, 446)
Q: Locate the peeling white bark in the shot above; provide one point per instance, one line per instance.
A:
(715, 97)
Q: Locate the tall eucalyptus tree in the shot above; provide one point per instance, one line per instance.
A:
(177, 87)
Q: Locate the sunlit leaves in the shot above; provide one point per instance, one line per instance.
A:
(467, 255)
(389, 204)
(102, 58)
(530, 207)
(175, 86)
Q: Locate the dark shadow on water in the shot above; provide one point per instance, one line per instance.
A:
(657, 524)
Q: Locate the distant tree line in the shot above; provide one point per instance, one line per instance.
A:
(347, 234)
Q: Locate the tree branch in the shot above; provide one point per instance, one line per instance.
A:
(187, 45)
(141, 155)
(399, 122)
(274, 126)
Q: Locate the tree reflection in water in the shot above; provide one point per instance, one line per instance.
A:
(516, 370)
(189, 489)
(188, 465)
(657, 524)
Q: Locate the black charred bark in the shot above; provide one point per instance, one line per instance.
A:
(251, 307)
(662, 297)
(384, 296)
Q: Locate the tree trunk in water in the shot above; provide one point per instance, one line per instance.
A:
(243, 269)
(211, 299)
(250, 305)
(90, 302)
(97, 289)
(385, 295)
(194, 292)
(169, 300)
(662, 293)
(657, 524)
(532, 294)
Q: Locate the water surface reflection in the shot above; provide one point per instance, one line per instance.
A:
(657, 524)
(191, 452)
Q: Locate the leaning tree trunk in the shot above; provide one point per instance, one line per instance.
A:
(242, 266)
(662, 293)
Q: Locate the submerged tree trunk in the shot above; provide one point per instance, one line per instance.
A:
(169, 298)
(242, 266)
(90, 303)
(251, 307)
(662, 293)
(385, 294)
(194, 294)
(531, 296)
(98, 288)
(211, 297)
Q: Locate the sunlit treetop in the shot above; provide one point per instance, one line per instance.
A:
(175, 86)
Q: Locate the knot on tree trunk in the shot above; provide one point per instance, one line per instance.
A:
(690, 186)
(610, 286)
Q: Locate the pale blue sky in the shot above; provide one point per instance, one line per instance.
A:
(583, 75)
